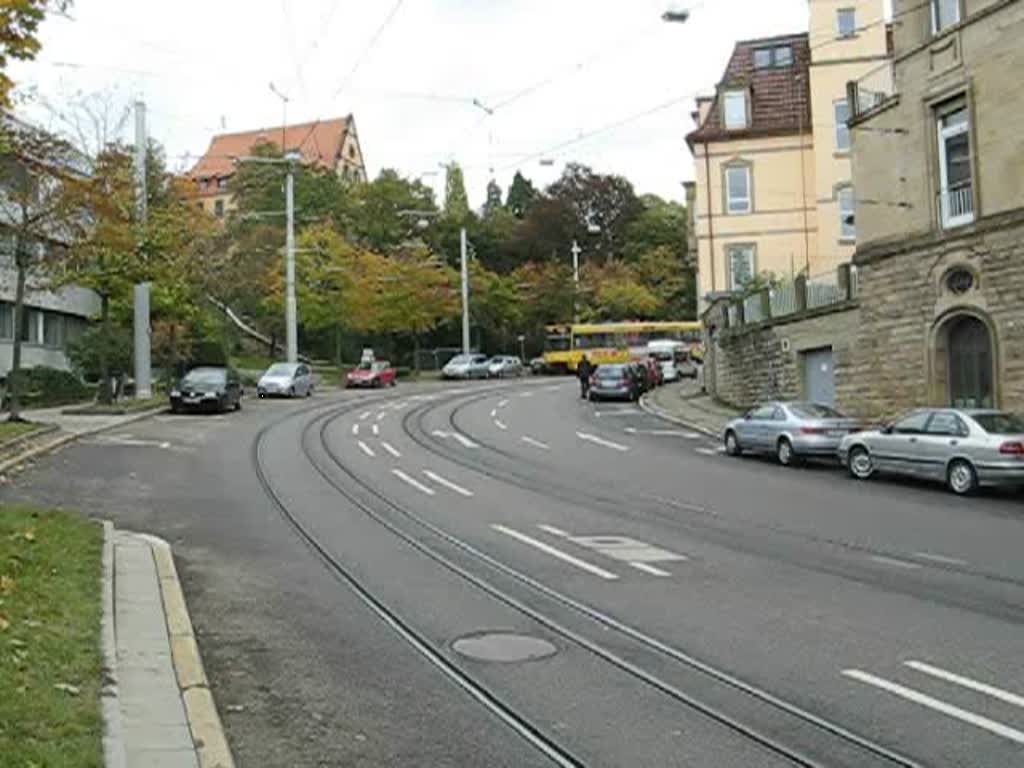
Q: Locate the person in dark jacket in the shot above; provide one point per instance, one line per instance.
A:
(584, 370)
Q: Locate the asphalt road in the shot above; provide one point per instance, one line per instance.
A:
(501, 574)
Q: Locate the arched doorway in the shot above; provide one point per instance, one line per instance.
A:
(969, 346)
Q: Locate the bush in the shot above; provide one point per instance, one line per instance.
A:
(84, 352)
(41, 387)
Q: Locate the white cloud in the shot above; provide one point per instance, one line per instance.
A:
(201, 64)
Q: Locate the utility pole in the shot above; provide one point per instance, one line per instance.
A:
(291, 321)
(141, 329)
(576, 251)
(464, 268)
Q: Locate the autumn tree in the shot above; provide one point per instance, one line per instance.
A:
(456, 202)
(19, 35)
(613, 292)
(521, 195)
(39, 216)
(496, 304)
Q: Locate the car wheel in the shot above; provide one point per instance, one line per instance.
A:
(732, 444)
(238, 404)
(291, 392)
(394, 383)
(309, 391)
(784, 453)
(961, 477)
(175, 408)
(860, 464)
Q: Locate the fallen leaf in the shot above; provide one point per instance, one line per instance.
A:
(18, 643)
(29, 535)
(6, 583)
(4, 623)
(69, 689)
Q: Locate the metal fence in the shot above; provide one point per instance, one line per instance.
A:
(823, 290)
(753, 309)
(797, 295)
(783, 299)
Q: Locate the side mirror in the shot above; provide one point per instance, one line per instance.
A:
(746, 416)
(886, 429)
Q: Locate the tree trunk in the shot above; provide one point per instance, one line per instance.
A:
(105, 396)
(13, 386)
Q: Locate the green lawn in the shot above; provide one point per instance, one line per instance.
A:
(12, 429)
(50, 663)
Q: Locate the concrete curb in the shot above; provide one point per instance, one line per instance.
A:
(654, 410)
(71, 437)
(207, 730)
(110, 702)
(44, 429)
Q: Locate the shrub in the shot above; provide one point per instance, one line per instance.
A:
(41, 387)
(84, 352)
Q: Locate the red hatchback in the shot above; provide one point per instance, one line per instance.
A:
(376, 374)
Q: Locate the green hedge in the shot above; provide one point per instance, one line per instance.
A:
(41, 387)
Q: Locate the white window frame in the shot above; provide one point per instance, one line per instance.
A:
(747, 249)
(733, 94)
(846, 231)
(748, 200)
(842, 13)
(934, 6)
(842, 129)
(776, 57)
(944, 134)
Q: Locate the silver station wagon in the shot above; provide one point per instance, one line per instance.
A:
(964, 449)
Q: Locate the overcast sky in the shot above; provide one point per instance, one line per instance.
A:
(566, 68)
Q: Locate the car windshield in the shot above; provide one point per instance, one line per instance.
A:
(365, 367)
(663, 355)
(460, 360)
(815, 411)
(380, 366)
(1000, 423)
(204, 376)
(611, 371)
(281, 369)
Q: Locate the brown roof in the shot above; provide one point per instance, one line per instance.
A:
(779, 96)
(319, 143)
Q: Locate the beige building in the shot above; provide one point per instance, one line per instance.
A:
(772, 150)
(330, 144)
(939, 169)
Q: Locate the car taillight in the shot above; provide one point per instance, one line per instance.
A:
(813, 430)
(1012, 449)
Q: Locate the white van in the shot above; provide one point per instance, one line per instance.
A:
(673, 357)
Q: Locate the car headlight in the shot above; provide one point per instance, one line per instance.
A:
(175, 393)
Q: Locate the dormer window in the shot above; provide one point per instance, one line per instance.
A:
(736, 112)
(779, 56)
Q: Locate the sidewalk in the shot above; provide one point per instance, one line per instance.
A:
(157, 707)
(684, 403)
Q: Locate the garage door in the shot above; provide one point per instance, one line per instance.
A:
(819, 376)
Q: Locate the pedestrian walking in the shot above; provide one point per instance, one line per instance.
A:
(584, 370)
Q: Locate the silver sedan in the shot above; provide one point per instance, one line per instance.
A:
(789, 431)
(962, 448)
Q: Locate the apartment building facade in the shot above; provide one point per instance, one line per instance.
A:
(774, 188)
(939, 169)
(329, 144)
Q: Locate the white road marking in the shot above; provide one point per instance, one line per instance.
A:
(535, 443)
(390, 449)
(381, 415)
(502, 403)
(618, 413)
(366, 449)
(554, 531)
(662, 433)
(129, 442)
(500, 424)
(553, 388)
(882, 559)
(966, 682)
(940, 558)
(627, 550)
(447, 483)
(466, 442)
(190, 417)
(564, 556)
(413, 482)
(706, 451)
(364, 415)
(494, 412)
(526, 394)
(650, 569)
(939, 706)
(355, 429)
(376, 429)
(601, 441)
(683, 505)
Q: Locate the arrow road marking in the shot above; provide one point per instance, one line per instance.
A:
(601, 441)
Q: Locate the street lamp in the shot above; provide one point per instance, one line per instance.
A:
(675, 17)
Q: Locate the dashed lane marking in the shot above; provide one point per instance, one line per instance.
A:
(366, 449)
(535, 443)
(355, 429)
(940, 558)
(966, 682)
(883, 560)
(390, 449)
(413, 482)
(494, 412)
(938, 705)
(650, 569)
(381, 415)
(500, 424)
(448, 483)
(554, 531)
(364, 415)
(601, 441)
(376, 429)
(526, 394)
(557, 553)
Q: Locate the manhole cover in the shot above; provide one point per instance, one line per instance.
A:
(503, 647)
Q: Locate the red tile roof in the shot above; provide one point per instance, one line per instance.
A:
(319, 143)
(780, 97)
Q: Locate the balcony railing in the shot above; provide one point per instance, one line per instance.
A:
(956, 205)
(793, 296)
(823, 290)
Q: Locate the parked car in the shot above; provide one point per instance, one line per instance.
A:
(210, 388)
(620, 381)
(288, 379)
(538, 366)
(504, 365)
(378, 373)
(669, 354)
(466, 367)
(655, 372)
(642, 372)
(964, 449)
(789, 431)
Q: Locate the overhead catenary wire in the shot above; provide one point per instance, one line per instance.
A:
(369, 47)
